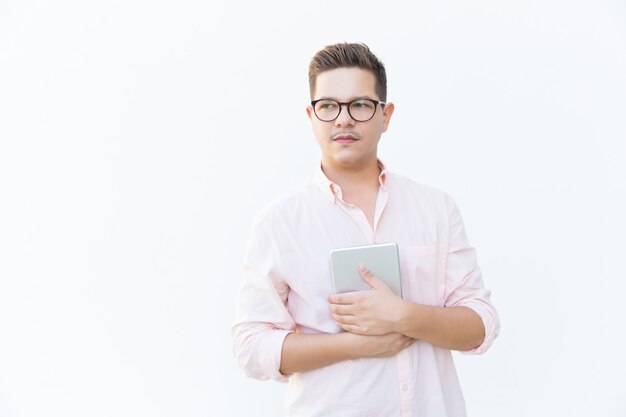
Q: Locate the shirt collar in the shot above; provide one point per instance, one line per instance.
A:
(332, 190)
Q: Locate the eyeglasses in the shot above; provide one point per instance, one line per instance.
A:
(361, 110)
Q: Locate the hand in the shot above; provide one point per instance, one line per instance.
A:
(373, 312)
(378, 346)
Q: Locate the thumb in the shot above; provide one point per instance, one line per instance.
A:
(370, 278)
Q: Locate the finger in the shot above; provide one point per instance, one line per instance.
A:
(345, 319)
(371, 279)
(409, 342)
(351, 328)
(342, 309)
(343, 298)
(366, 275)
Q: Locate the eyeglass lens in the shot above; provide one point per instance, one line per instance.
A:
(360, 110)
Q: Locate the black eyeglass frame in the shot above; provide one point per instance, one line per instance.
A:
(347, 104)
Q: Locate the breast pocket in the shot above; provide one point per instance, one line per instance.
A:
(426, 274)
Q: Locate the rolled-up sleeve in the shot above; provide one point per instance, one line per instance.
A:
(262, 320)
(463, 279)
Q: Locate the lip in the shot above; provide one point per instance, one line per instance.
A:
(345, 139)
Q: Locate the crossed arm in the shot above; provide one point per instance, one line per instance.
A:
(378, 324)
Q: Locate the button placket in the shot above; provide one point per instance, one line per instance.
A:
(403, 363)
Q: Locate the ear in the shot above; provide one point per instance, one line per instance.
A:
(387, 112)
(309, 111)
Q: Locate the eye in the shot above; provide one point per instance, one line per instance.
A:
(362, 104)
(326, 105)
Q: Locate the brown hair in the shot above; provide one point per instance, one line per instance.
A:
(348, 55)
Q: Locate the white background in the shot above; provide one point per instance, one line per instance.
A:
(139, 138)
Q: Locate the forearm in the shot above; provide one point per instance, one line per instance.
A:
(305, 352)
(455, 328)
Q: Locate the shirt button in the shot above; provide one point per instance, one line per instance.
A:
(404, 387)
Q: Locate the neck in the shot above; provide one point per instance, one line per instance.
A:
(353, 177)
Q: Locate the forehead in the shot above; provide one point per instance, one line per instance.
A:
(345, 84)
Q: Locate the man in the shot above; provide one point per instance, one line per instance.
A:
(393, 357)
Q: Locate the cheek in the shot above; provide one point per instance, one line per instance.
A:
(372, 140)
(321, 134)
(376, 132)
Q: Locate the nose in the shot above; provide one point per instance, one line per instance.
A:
(344, 118)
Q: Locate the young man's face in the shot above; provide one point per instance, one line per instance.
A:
(345, 142)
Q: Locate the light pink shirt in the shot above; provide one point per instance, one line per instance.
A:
(286, 278)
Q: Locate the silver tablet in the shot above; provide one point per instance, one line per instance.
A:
(382, 260)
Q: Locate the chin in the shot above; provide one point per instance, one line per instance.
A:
(344, 159)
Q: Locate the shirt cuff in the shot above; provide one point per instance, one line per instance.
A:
(272, 344)
(492, 327)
